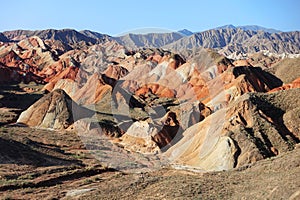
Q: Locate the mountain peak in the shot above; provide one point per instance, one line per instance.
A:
(185, 32)
(229, 26)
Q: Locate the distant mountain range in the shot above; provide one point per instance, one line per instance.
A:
(230, 40)
(250, 28)
(187, 32)
(148, 40)
(226, 39)
(68, 36)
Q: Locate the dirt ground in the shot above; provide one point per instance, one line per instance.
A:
(42, 164)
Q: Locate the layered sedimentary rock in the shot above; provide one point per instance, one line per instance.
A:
(254, 127)
(196, 107)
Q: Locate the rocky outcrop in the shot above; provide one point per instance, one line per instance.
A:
(68, 85)
(55, 110)
(203, 147)
(28, 58)
(138, 138)
(170, 132)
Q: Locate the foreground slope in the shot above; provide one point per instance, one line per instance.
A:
(56, 165)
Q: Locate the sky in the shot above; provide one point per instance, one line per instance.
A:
(115, 17)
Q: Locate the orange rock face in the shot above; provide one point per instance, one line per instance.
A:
(156, 89)
(11, 59)
(174, 60)
(68, 73)
(115, 72)
(93, 91)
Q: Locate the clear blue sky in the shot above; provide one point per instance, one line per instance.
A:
(114, 17)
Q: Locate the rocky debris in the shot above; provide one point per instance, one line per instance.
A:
(55, 110)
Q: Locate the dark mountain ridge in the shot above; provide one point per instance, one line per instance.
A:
(69, 36)
(228, 41)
